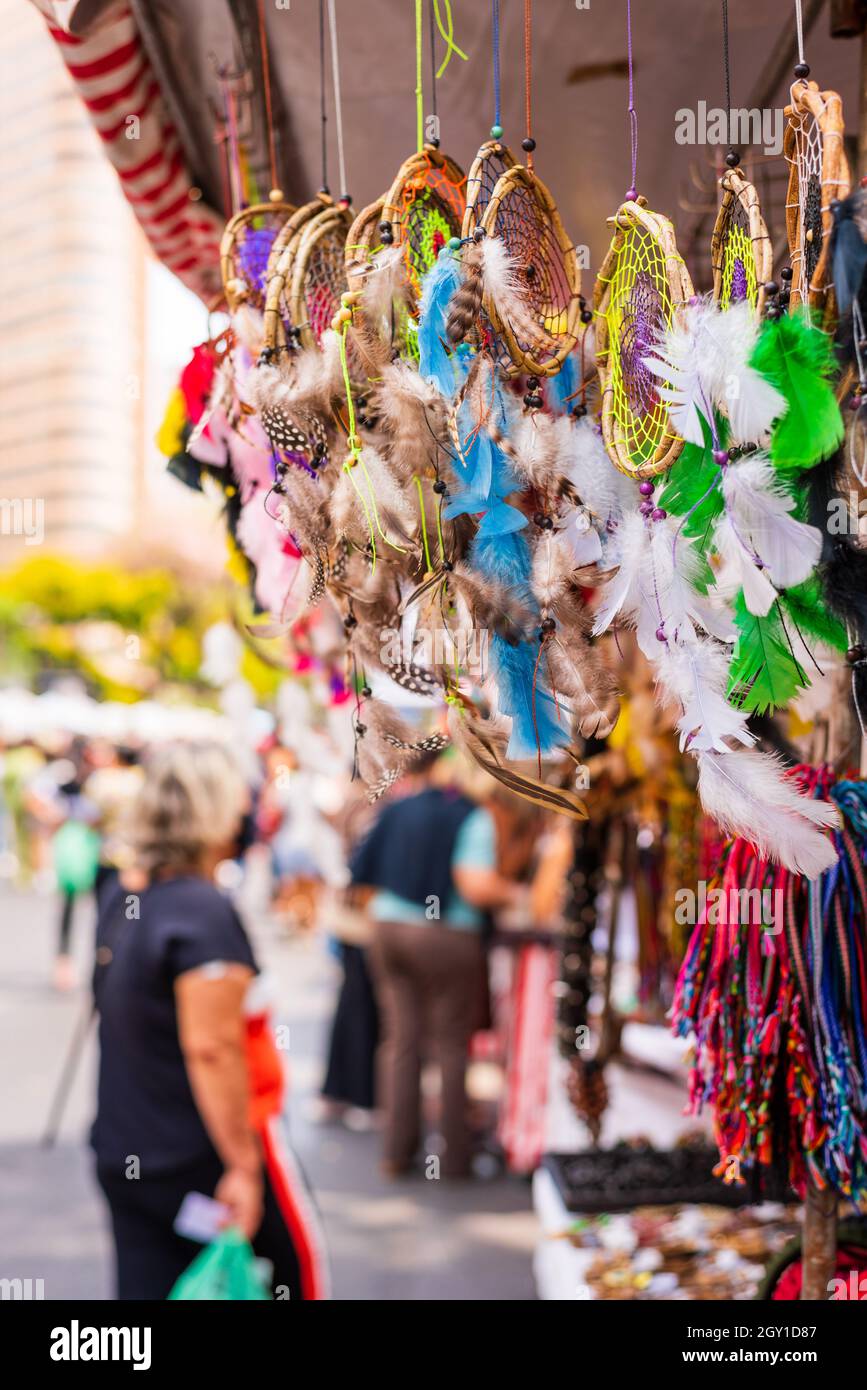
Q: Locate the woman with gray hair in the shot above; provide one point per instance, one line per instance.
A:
(190, 1083)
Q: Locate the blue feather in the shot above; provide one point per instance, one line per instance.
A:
(558, 388)
(437, 363)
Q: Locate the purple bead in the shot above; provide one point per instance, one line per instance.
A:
(720, 456)
(646, 489)
(631, 195)
(856, 403)
(660, 634)
(659, 514)
(646, 508)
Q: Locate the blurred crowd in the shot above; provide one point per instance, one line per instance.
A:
(155, 841)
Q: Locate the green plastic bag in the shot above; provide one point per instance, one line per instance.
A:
(225, 1269)
(75, 851)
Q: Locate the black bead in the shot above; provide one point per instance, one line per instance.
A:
(855, 654)
(733, 454)
(586, 315)
(350, 621)
(479, 234)
(786, 272)
(539, 518)
(435, 142)
(771, 287)
(366, 691)
(439, 486)
(361, 730)
(802, 69)
(733, 159)
(386, 238)
(447, 565)
(773, 312)
(548, 524)
(548, 624)
(385, 226)
(578, 411)
(532, 383)
(533, 401)
(529, 144)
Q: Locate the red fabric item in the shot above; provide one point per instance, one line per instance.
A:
(850, 1279)
(115, 81)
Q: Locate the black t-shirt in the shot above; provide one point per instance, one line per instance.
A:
(145, 1106)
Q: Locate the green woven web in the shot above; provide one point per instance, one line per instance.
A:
(639, 311)
(426, 230)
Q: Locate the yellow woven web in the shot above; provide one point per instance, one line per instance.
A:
(639, 311)
(739, 280)
(430, 211)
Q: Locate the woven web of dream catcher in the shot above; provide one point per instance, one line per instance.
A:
(252, 246)
(739, 281)
(809, 157)
(492, 161)
(482, 181)
(324, 281)
(429, 212)
(639, 310)
(531, 241)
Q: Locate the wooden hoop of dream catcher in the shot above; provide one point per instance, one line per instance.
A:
(424, 209)
(742, 255)
(362, 242)
(245, 252)
(318, 273)
(818, 174)
(523, 214)
(492, 161)
(642, 285)
(279, 326)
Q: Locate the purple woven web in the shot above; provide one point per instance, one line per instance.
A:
(253, 251)
(643, 323)
(739, 282)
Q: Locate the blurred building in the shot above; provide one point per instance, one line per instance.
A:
(93, 333)
(71, 311)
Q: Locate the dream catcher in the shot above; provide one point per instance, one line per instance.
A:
(532, 297)
(741, 252)
(641, 289)
(422, 212)
(818, 177)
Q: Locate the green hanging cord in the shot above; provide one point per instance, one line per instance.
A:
(440, 537)
(447, 32)
(417, 481)
(341, 323)
(419, 94)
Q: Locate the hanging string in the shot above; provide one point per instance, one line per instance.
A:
(495, 41)
(433, 63)
(419, 94)
(799, 27)
(276, 193)
(322, 110)
(338, 104)
(632, 191)
(725, 22)
(447, 32)
(528, 144)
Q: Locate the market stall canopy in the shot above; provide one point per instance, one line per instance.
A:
(160, 60)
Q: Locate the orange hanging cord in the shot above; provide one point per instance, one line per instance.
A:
(276, 193)
(529, 143)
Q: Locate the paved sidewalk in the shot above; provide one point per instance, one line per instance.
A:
(415, 1240)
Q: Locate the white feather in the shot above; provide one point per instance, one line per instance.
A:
(740, 571)
(608, 493)
(749, 400)
(622, 594)
(696, 675)
(747, 795)
(504, 293)
(760, 514)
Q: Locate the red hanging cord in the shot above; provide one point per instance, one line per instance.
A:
(276, 193)
(529, 144)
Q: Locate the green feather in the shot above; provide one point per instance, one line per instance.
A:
(692, 486)
(764, 674)
(805, 605)
(797, 357)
